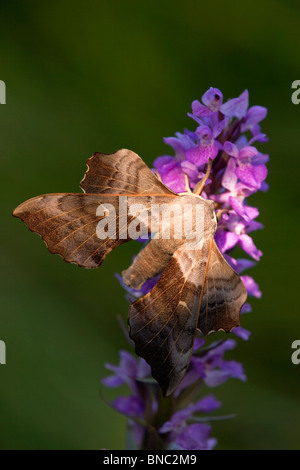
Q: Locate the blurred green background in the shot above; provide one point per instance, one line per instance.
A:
(98, 76)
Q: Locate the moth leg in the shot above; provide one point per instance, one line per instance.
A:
(220, 213)
(187, 186)
(150, 261)
(200, 185)
(158, 176)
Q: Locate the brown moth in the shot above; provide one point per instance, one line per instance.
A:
(197, 288)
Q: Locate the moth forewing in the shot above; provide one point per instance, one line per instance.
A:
(122, 172)
(222, 297)
(163, 322)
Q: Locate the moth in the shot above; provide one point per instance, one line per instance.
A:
(197, 288)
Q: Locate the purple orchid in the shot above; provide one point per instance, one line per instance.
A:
(145, 406)
(246, 164)
(207, 147)
(224, 136)
(213, 99)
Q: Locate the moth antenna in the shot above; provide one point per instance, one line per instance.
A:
(200, 185)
